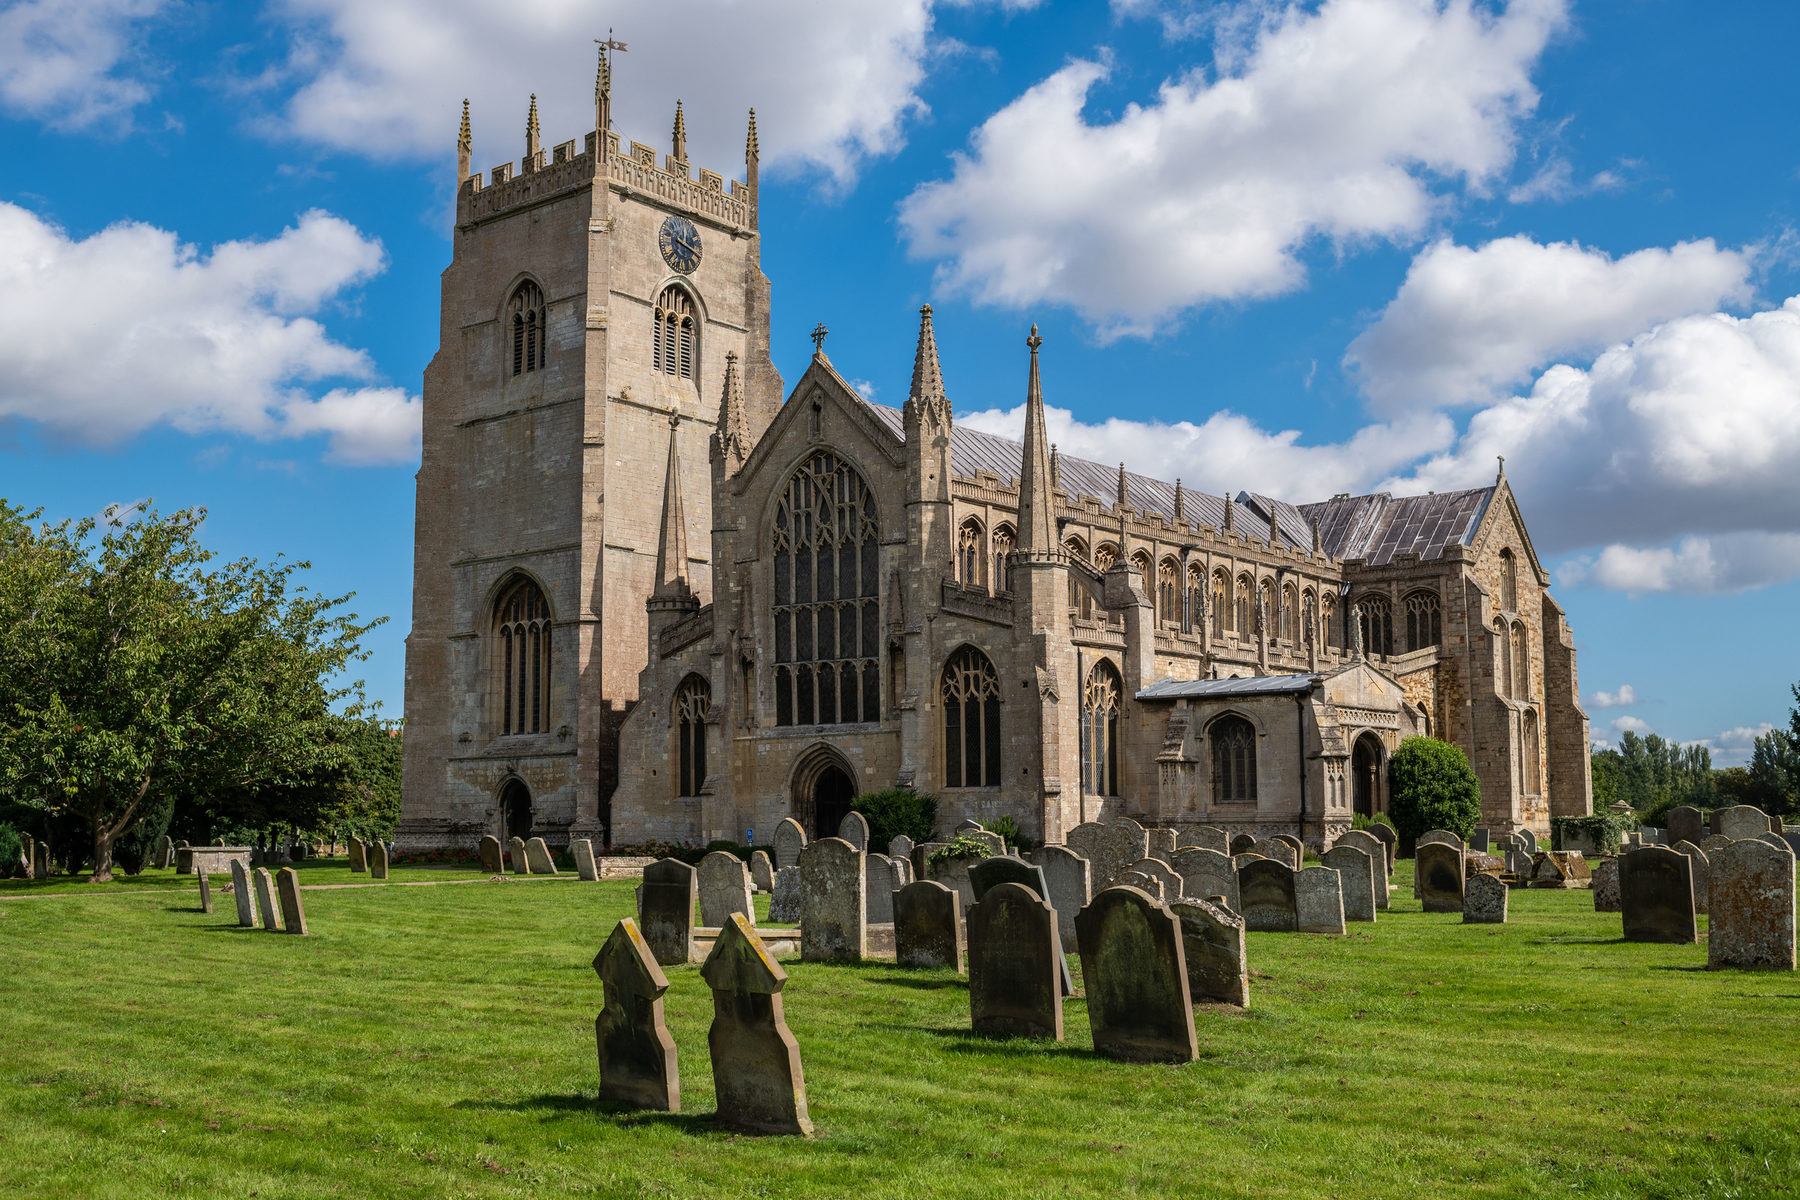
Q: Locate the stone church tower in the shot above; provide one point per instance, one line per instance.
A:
(593, 302)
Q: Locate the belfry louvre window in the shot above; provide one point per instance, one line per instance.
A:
(971, 692)
(693, 706)
(827, 618)
(673, 347)
(1424, 620)
(1234, 760)
(522, 658)
(526, 316)
(1100, 731)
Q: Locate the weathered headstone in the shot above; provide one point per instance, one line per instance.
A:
(40, 860)
(1242, 860)
(1774, 839)
(900, 846)
(637, 1052)
(967, 825)
(1266, 888)
(755, 1059)
(378, 861)
(1751, 897)
(987, 873)
(928, 928)
(1278, 850)
(1436, 836)
(833, 902)
(489, 850)
(1212, 942)
(1111, 848)
(1376, 849)
(1560, 869)
(164, 854)
(1439, 876)
(1150, 885)
(1518, 862)
(1656, 895)
(1206, 873)
(1015, 985)
(666, 910)
(537, 856)
(293, 912)
(1389, 839)
(1066, 875)
(1357, 874)
(1161, 843)
(1606, 885)
(1478, 840)
(1162, 872)
(582, 851)
(265, 900)
(784, 897)
(1702, 868)
(1204, 837)
(993, 841)
(724, 884)
(762, 871)
(240, 892)
(1135, 971)
(1686, 824)
(28, 855)
(1714, 842)
(1298, 847)
(790, 839)
(881, 876)
(854, 828)
(205, 892)
(521, 865)
(359, 857)
(1740, 821)
(1241, 843)
(1318, 901)
(1484, 900)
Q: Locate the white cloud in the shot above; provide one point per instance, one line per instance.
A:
(1340, 123)
(60, 60)
(1555, 182)
(1632, 725)
(1733, 747)
(106, 336)
(1470, 322)
(1623, 698)
(1733, 562)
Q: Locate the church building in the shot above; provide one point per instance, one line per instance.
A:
(656, 599)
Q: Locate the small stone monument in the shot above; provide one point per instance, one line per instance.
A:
(582, 851)
(1356, 872)
(1376, 849)
(1266, 888)
(1318, 901)
(1066, 876)
(1204, 837)
(724, 883)
(489, 850)
(1702, 867)
(666, 910)
(790, 839)
(762, 871)
(240, 892)
(293, 912)
(378, 861)
(833, 902)
(637, 1052)
(881, 879)
(205, 892)
(1484, 900)
(521, 864)
(784, 897)
(40, 860)
(854, 828)
(537, 857)
(1606, 885)
(1136, 976)
(1438, 868)
(928, 928)
(265, 900)
(1015, 981)
(359, 857)
(1212, 942)
(1751, 896)
(900, 846)
(1656, 896)
(755, 1059)
(164, 854)
(1205, 872)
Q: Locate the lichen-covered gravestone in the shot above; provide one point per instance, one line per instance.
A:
(1015, 960)
(1714, 843)
(1241, 843)
(378, 861)
(1204, 837)
(1686, 824)
(1163, 873)
(987, 874)
(1318, 901)
(784, 897)
(1751, 895)
(1066, 875)
(1606, 885)
(1161, 843)
(1389, 840)
(1212, 942)
(1356, 873)
(1740, 821)
(900, 846)
(1121, 843)
(1279, 850)
(666, 910)
(833, 902)
(928, 928)
(1136, 977)
(1147, 884)
(265, 900)
(521, 865)
(537, 856)
(881, 876)
(489, 851)
(790, 839)
(1484, 900)
(582, 851)
(1656, 896)
(359, 857)
(724, 884)
(1439, 876)
(755, 1059)
(637, 1052)
(762, 871)
(854, 828)
(1376, 849)
(293, 912)
(1206, 873)
(240, 892)
(1266, 888)
(1702, 868)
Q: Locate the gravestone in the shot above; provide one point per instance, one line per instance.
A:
(1606, 885)
(1278, 850)
(1163, 873)
(1161, 843)
(1484, 900)
(1241, 843)
(881, 877)
(28, 855)
(1212, 942)
(755, 1059)
(1478, 840)
(293, 912)
(205, 892)
(1147, 884)
(952, 873)
(1376, 849)
(489, 850)
(1266, 888)
(40, 860)
(762, 871)
(1433, 837)
(1247, 857)
(1135, 973)
(521, 865)
(967, 825)
(1702, 870)
(1560, 869)
(1298, 846)
(582, 851)
(833, 902)
(790, 839)
(1356, 871)
(1204, 837)
(537, 857)
(995, 844)
(928, 929)
(723, 882)
(903, 869)
(988, 873)
(784, 897)
(854, 828)
(1207, 873)
(1518, 862)
(240, 892)
(666, 901)
(359, 857)
(1528, 838)
(1318, 901)
(1115, 845)
(1740, 821)
(1774, 839)
(265, 900)
(1686, 824)
(1389, 840)
(1714, 842)
(165, 852)
(1015, 960)
(1751, 895)
(900, 846)
(636, 1049)
(378, 861)
(1656, 896)
(1439, 876)
(1070, 885)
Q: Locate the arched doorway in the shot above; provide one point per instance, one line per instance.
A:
(1365, 774)
(515, 811)
(823, 789)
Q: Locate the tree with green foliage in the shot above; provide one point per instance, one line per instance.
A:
(134, 669)
(895, 811)
(1653, 775)
(1775, 771)
(1432, 786)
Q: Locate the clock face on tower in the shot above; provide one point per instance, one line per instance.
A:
(680, 243)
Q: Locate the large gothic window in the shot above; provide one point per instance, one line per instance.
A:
(970, 554)
(1424, 620)
(1081, 599)
(1003, 548)
(1290, 612)
(1196, 600)
(1309, 618)
(1521, 650)
(1221, 600)
(525, 314)
(693, 706)
(1100, 732)
(1234, 760)
(1168, 591)
(1534, 784)
(1509, 582)
(674, 345)
(827, 620)
(971, 692)
(522, 658)
(1376, 617)
(1244, 620)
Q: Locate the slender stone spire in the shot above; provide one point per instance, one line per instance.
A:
(602, 98)
(1180, 516)
(465, 146)
(1318, 539)
(731, 440)
(927, 400)
(1230, 514)
(1037, 513)
(671, 544)
(531, 133)
(1124, 496)
(1055, 467)
(752, 166)
(679, 141)
(1500, 474)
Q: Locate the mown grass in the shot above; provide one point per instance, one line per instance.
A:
(438, 1041)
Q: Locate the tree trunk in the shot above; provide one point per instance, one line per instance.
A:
(103, 854)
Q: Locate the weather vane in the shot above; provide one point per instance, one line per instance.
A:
(610, 43)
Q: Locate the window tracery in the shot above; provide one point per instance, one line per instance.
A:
(526, 316)
(693, 708)
(522, 658)
(826, 547)
(971, 694)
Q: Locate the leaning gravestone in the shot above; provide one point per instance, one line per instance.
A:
(1356, 870)
(1163, 873)
(205, 892)
(359, 857)
(1484, 900)
(1266, 888)
(900, 846)
(1739, 822)
(833, 902)
(989, 873)
(1212, 942)
(1318, 901)
(1606, 885)
(967, 825)
(1560, 869)
(928, 929)
(582, 851)
(724, 885)
(1376, 849)
(537, 857)
(1122, 842)
(1751, 895)
(666, 910)
(784, 897)
(293, 912)
(1204, 837)
(854, 828)
(1686, 824)
(1070, 886)
(881, 876)
(790, 839)
(489, 850)
(755, 1059)
(1161, 843)
(1702, 868)
(637, 1052)
(265, 900)
(1389, 840)
(1656, 896)
(1299, 847)
(1279, 850)
(762, 871)
(240, 892)
(1136, 977)
(378, 861)
(521, 864)
(1207, 873)
(1439, 868)
(1015, 984)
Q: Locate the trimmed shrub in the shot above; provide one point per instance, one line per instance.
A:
(895, 811)
(1360, 821)
(11, 847)
(1432, 786)
(1011, 834)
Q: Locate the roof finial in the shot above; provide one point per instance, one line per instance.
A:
(731, 440)
(531, 133)
(603, 94)
(1230, 514)
(1500, 476)
(1123, 498)
(680, 138)
(927, 398)
(1179, 516)
(1037, 514)
(465, 145)
(819, 334)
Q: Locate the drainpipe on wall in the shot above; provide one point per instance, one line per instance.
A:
(1300, 744)
(1080, 736)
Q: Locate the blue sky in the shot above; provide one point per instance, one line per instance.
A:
(1301, 249)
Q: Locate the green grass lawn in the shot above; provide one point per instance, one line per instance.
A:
(438, 1041)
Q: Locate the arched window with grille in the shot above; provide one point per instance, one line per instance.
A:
(1100, 732)
(971, 694)
(1267, 608)
(522, 658)
(1081, 600)
(1509, 582)
(1196, 600)
(1290, 613)
(1521, 651)
(1105, 557)
(525, 314)
(1503, 676)
(1309, 618)
(1221, 600)
(1233, 760)
(1376, 617)
(971, 554)
(1168, 591)
(1424, 620)
(1534, 783)
(675, 344)
(693, 708)
(1328, 625)
(826, 549)
(1244, 619)
(1003, 548)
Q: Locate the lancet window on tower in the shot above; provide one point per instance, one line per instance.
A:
(970, 554)
(525, 314)
(1233, 759)
(1509, 582)
(693, 707)
(674, 346)
(1243, 617)
(971, 693)
(522, 658)
(1521, 650)
(1100, 730)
